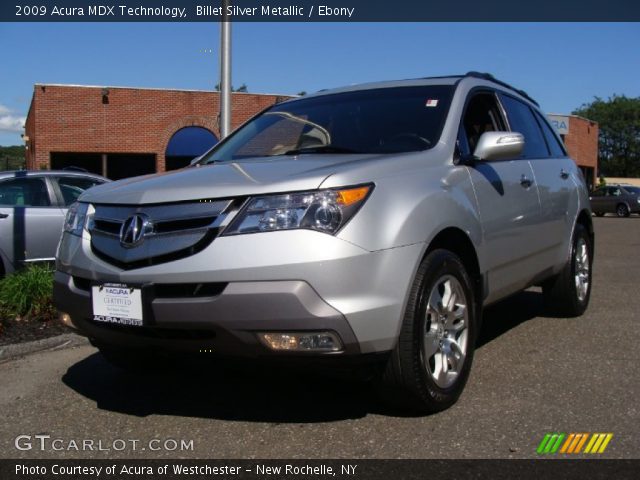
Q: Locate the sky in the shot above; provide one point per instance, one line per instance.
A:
(561, 65)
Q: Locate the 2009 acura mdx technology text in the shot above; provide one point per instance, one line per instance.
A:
(369, 222)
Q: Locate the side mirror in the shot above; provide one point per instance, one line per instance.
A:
(499, 146)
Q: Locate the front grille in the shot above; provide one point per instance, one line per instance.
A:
(107, 226)
(177, 230)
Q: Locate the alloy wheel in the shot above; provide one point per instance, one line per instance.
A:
(446, 331)
(582, 269)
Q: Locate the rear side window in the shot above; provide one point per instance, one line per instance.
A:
(72, 187)
(522, 121)
(557, 149)
(24, 192)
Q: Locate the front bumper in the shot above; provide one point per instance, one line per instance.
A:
(225, 323)
(298, 281)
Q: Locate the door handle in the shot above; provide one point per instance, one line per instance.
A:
(4, 215)
(525, 182)
(564, 174)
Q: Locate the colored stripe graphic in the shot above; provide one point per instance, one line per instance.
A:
(565, 447)
(598, 442)
(543, 443)
(594, 437)
(550, 443)
(605, 443)
(583, 439)
(572, 443)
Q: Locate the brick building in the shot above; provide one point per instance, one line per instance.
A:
(580, 136)
(121, 132)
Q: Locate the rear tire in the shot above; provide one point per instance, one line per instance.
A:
(568, 293)
(430, 364)
(622, 210)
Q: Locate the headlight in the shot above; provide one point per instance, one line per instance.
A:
(77, 218)
(322, 210)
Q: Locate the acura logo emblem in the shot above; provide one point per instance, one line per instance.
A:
(134, 230)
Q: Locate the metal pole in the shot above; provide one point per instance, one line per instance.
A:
(104, 165)
(225, 72)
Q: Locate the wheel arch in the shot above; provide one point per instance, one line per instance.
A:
(585, 219)
(625, 203)
(457, 241)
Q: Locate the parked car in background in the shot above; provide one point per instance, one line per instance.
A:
(33, 205)
(622, 200)
(368, 223)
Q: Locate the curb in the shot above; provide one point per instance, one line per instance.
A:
(66, 340)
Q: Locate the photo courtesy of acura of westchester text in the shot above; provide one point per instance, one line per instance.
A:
(259, 243)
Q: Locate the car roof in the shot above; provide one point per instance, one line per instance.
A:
(49, 173)
(451, 80)
(472, 76)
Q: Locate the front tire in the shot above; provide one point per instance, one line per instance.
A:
(430, 364)
(568, 293)
(622, 210)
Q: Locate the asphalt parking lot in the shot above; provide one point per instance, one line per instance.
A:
(532, 374)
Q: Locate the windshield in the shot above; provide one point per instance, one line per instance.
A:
(633, 190)
(385, 120)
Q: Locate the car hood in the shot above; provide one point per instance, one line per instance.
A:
(225, 179)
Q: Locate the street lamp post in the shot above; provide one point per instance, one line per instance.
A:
(225, 71)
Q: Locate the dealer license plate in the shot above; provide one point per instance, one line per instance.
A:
(117, 303)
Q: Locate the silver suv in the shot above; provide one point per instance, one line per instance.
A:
(369, 222)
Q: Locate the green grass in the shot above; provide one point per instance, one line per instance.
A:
(28, 294)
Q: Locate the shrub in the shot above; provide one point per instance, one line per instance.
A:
(28, 294)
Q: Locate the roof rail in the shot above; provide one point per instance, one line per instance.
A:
(488, 76)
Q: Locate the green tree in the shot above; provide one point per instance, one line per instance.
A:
(12, 158)
(242, 88)
(619, 143)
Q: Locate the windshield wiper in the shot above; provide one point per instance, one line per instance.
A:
(320, 149)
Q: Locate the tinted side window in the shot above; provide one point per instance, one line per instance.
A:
(24, 192)
(481, 115)
(557, 149)
(598, 193)
(72, 187)
(522, 121)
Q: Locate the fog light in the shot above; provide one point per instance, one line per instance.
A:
(302, 342)
(65, 319)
